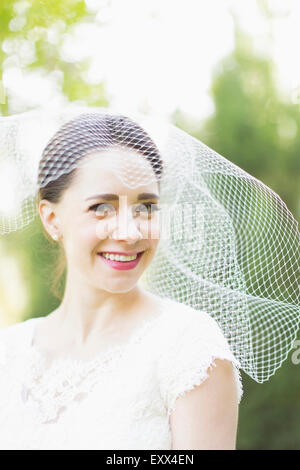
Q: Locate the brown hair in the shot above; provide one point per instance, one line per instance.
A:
(84, 134)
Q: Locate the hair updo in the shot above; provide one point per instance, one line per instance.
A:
(84, 134)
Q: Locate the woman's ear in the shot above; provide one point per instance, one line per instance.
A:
(49, 218)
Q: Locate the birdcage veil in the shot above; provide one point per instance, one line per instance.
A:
(229, 245)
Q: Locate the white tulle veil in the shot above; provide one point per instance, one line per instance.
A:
(229, 244)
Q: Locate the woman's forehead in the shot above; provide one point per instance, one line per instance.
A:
(98, 175)
(115, 167)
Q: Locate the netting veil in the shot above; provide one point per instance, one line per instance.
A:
(228, 245)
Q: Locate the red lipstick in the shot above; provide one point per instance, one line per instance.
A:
(121, 253)
(121, 265)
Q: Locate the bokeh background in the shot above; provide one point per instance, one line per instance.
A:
(225, 71)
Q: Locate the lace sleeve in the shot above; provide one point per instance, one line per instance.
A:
(190, 355)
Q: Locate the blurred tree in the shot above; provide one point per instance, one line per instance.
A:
(32, 33)
(251, 125)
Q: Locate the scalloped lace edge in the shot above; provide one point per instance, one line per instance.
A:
(202, 374)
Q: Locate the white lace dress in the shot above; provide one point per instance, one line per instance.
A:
(121, 399)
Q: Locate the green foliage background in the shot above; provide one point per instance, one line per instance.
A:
(252, 126)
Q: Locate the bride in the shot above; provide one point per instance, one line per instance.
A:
(114, 366)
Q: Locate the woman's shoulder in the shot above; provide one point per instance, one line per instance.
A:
(184, 327)
(184, 316)
(16, 328)
(191, 350)
(182, 308)
(196, 329)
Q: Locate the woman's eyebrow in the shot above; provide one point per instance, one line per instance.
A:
(115, 197)
(147, 196)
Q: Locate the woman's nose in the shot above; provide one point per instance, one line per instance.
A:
(127, 228)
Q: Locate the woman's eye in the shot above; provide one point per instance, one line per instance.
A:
(102, 209)
(147, 209)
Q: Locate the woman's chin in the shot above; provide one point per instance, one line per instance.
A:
(115, 284)
(121, 289)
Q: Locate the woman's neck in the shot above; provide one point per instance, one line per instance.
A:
(84, 314)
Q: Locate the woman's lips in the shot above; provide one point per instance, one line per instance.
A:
(122, 265)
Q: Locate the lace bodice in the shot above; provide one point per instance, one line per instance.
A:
(120, 399)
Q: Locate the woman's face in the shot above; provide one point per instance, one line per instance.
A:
(99, 215)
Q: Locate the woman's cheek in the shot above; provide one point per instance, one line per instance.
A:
(103, 228)
(150, 229)
(87, 234)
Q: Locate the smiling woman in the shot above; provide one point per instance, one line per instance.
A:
(121, 365)
(101, 140)
(87, 228)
